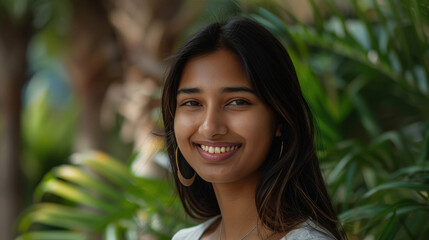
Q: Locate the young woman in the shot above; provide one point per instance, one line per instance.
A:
(240, 138)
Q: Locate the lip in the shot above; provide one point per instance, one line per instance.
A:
(218, 157)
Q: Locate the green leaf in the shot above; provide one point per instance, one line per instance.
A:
(52, 235)
(368, 27)
(363, 212)
(276, 25)
(411, 207)
(390, 229)
(350, 175)
(340, 166)
(411, 170)
(396, 185)
(348, 36)
(318, 18)
(75, 194)
(116, 172)
(425, 149)
(394, 138)
(61, 216)
(111, 232)
(80, 177)
(366, 115)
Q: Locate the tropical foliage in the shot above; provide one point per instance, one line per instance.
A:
(366, 78)
(101, 195)
(367, 81)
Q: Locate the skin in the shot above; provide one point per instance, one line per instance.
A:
(217, 106)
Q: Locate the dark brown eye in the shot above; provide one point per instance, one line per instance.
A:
(238, 102)
(191, 103)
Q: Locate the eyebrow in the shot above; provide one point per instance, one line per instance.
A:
(224, 90)
(188, 91)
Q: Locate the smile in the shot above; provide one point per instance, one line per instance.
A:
(218, 150)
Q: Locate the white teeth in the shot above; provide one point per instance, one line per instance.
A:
(218, 150)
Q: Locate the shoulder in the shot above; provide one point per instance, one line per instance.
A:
(189, 233)
(309, 230)
(195, 232)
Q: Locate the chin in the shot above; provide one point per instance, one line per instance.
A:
(213, 179)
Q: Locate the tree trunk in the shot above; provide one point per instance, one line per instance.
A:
(94, 63)
(14, 37)
(147, 31)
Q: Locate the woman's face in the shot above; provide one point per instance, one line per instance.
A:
(222, 128)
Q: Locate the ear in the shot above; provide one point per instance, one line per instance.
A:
(279, 130)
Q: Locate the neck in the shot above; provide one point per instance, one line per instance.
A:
(237, 205)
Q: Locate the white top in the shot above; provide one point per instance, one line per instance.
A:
(307, 230)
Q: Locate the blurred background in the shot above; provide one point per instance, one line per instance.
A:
(80, 87)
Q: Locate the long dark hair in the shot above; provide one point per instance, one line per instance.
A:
(291, 189)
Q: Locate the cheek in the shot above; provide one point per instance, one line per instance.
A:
(184, 126)
(258, 123)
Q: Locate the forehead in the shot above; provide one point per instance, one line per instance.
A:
(215, 70)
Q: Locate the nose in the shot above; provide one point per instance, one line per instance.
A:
(212, 123)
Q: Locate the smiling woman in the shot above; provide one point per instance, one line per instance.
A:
(240, 139)
(217, 110)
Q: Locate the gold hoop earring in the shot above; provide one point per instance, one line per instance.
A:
(281, 148)
(184, 181)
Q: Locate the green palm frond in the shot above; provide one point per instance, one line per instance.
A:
(366, 78)
(99, 195)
